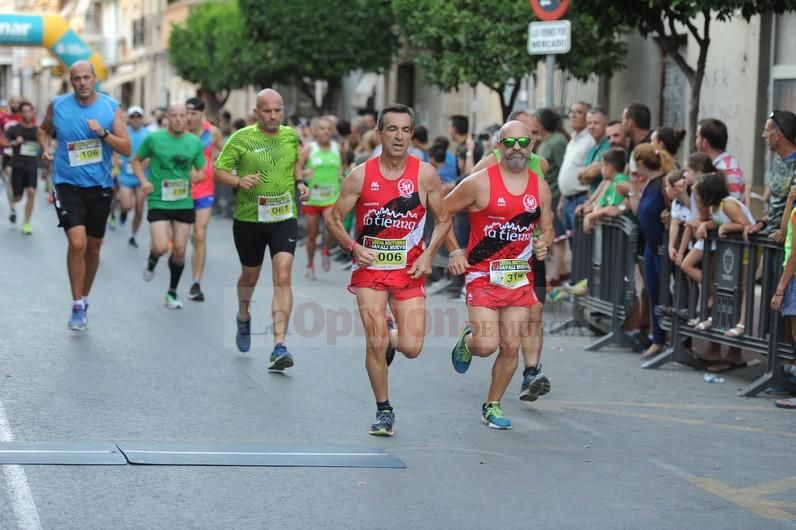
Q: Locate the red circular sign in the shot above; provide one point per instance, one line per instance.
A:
(549, 9)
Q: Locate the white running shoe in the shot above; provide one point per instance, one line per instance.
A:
(147, 274)
(172, 302)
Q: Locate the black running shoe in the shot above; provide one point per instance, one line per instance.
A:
(13, 216)
(195, 293)
(132, 242)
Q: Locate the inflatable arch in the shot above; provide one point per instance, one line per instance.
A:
(52, 32)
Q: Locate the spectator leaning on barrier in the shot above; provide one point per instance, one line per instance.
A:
(711, 139)
(779, 133)
(636, 121)
(573, 192)
(647, 202)
(680, 213)
(612, 199)
(596, 124)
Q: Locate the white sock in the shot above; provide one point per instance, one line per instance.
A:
(79, 302)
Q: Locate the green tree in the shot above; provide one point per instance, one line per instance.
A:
(211, 50)
(667, 20)
(486, 41)
(322, 40)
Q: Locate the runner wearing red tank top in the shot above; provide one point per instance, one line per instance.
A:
(391, 195)
(505, 202)
(204, 192)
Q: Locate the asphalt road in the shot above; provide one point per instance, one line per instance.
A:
(612, 446)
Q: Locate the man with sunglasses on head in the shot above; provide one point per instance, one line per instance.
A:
(535, 383)
(505, 202)
(391, 194)
(779, 132)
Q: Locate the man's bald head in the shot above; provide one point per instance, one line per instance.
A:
(82, 67)
(270, 110)
(178, 118)
(269, 96)
(515, 129)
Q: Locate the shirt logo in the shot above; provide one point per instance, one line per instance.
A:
(501, 201)
(529, 202)
(374, 186)
(406, 187)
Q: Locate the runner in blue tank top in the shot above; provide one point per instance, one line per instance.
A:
(88, 127)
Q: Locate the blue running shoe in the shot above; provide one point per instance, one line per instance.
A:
(390, 347)
(461, 355)
(280, 358)
(534, 385)
(243, 338)
(78, 322)
(385, 419)
(492, 415)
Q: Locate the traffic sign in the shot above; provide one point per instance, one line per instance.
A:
(549, 9)
(547, 38)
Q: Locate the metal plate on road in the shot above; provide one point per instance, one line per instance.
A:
(61, 453)
(549, 38)
(257, 455)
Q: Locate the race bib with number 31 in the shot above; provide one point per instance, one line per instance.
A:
(509, 273)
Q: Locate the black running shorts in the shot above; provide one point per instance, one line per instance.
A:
(187, 216)
(87, 207)
(23, 177)
(252, 238)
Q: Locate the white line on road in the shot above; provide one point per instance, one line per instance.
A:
(245, 453)
(18, 489)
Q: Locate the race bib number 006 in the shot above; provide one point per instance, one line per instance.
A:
(390, 253)
(84, 152)
(174, 190)
(509, 273)
(274, 209)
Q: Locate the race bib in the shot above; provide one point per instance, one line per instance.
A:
(274, 209)
(84, 152)
(28, 149)
(174, 190)
(322, 193)
(390, 253)
(509, 273)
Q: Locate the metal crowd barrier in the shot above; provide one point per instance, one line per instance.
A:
(607, 259)
(727, 271)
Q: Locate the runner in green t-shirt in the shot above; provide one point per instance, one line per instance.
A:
(611, 202)
(322, 166)
(175, 161)
(264, 158)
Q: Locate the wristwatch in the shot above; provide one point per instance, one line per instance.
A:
(622, 207)
(105, 132)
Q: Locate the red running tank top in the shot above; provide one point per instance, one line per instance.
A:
(390, 217)
(504, 229)
(207, 186)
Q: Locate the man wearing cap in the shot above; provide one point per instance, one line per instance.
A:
(130, 192)
(203, 192)
(779, 132)
(88, 127)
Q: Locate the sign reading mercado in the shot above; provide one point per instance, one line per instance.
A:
(546, 38)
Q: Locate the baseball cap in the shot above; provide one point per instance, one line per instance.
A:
(786, 122)
(195, 104)
(135, 109)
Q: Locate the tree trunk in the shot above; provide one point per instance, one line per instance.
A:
(309, 90)
(507, 106)
(331, 100)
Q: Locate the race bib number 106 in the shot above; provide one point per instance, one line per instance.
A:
(84, 152)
